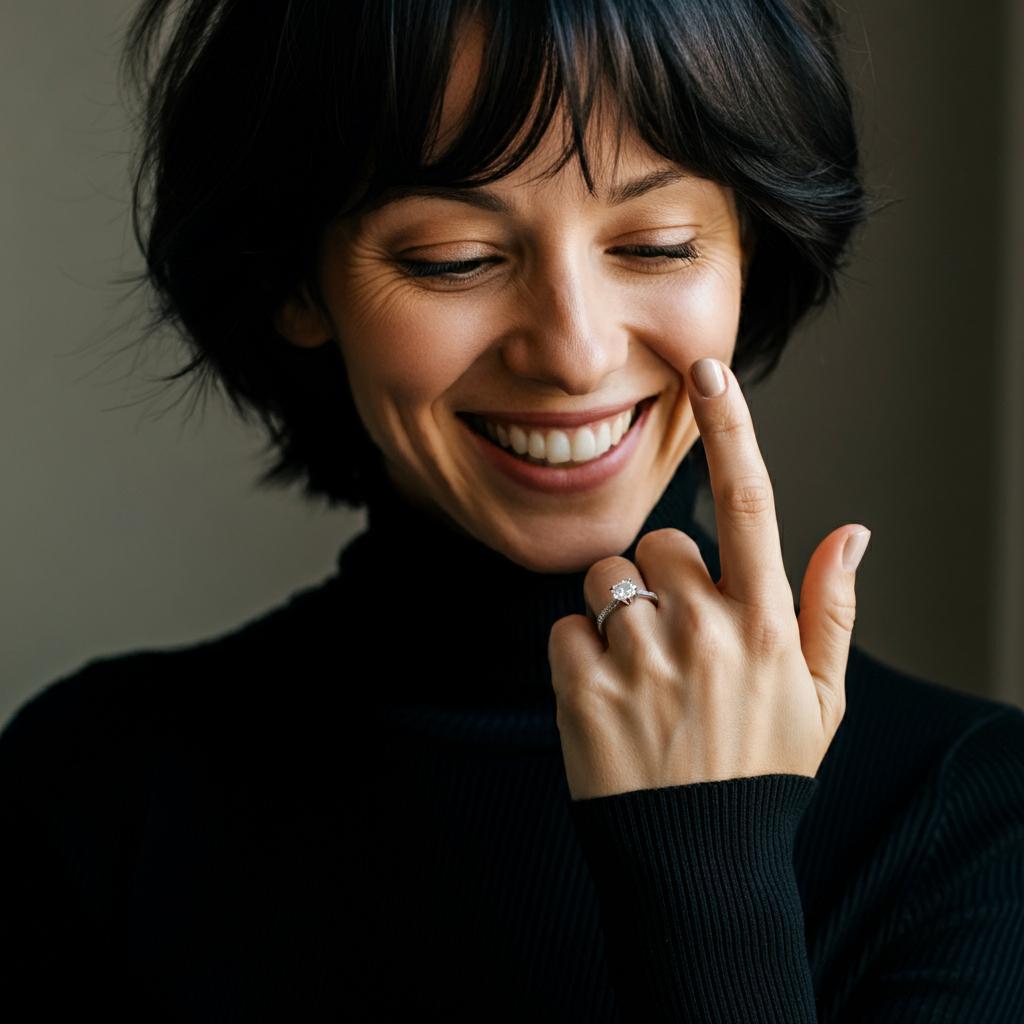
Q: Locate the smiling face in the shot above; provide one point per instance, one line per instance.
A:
(567, 303)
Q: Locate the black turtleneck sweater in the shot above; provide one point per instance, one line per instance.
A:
(354, 807)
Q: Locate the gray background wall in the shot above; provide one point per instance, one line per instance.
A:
(125, 526)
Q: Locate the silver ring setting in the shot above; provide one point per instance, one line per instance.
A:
(623, 592)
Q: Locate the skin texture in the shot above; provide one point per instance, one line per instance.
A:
(719, 680)
(562, 320)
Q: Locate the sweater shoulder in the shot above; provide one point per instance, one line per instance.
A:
(905, 719)
(93, 706)
(120, 702)
(980, 790)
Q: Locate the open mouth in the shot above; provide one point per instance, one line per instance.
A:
(478, 426)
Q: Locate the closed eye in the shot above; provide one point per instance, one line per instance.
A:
(467, 270)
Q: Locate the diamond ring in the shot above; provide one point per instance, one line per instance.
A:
(623, 592)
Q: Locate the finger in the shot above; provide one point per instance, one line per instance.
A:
(673, 564)
(753, 569)
(828, 610)
(625, 625)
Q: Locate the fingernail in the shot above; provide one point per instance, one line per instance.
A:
(708, 376)
(854, 548)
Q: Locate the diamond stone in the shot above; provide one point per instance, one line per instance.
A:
(624, 590)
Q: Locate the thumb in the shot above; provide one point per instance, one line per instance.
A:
(828, 608)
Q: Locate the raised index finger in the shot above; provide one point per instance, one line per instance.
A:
(750, 552)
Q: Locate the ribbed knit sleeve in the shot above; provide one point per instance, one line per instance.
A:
(703, 922)
(699, 900)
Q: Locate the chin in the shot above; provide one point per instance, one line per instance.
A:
(564, 554)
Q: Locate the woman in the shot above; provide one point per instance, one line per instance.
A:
(539, 749)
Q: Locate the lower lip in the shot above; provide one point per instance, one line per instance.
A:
(564, 480)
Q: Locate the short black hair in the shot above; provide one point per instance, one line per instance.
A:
(263, 124)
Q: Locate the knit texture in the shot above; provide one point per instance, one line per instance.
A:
(354, 807)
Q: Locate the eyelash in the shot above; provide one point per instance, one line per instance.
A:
(686, 253)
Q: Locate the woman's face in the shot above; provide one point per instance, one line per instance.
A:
(557, 313)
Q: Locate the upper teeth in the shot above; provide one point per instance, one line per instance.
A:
(579, 444)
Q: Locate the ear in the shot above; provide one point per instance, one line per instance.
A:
(301, 322)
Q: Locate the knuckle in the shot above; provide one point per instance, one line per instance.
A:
(724, 423)
(693, 618)
(842, 615)
(706, 638)
(664, 537)
(768, 634)
(558, 627)
(567, 645)
(748, 498)
(578, 697)
(597, 570)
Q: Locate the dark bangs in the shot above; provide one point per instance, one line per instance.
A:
(262, 124)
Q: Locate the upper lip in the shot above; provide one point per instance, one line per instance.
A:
(557, 419)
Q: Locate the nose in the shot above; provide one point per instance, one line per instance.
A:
(568, 332)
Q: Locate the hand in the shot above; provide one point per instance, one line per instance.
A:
(718, 680)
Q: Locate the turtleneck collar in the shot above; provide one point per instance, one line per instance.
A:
(446, 621)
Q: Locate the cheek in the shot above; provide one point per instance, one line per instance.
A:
(695, 318)
(401, 350)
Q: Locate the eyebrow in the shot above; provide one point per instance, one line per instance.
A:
(484, 199)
